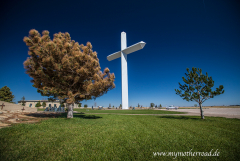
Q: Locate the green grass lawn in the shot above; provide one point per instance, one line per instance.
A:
(130, 111)
(40, 109)
(121, 137)
(127, 111)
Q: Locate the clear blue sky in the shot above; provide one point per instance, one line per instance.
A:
(179, 34)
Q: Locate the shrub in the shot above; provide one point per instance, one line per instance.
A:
(38, 104)
(44, 104)
(152, 104)
(62, 105)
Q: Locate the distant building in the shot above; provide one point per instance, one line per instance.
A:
(32, 103)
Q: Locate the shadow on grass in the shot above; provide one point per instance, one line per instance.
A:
(45, 115)
(62, 115)
(182, 117)
(80, 115)
(86, 116)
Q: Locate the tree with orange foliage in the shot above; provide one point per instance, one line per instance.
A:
(63, 69)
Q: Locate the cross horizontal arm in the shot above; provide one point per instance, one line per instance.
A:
(128, 50)
(114, 56)
(134, 47)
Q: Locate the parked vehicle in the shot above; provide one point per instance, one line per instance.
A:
(171, 107)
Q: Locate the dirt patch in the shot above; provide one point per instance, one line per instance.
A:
(7, 118)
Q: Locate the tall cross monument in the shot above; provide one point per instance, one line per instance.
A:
(123, 54)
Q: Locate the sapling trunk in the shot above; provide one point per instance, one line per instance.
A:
(202, 115)
(70, 110)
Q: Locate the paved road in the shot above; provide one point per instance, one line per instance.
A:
(217, 112)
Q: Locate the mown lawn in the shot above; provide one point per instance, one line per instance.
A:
(127, 111)
(121, 137)
(130, 111)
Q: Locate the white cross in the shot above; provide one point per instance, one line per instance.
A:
(123, 54)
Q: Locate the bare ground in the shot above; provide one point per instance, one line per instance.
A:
(8, 118)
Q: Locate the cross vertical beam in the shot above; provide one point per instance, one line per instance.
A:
(124, 71)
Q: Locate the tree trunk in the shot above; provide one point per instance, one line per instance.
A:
(70, 110)
(202, 115)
